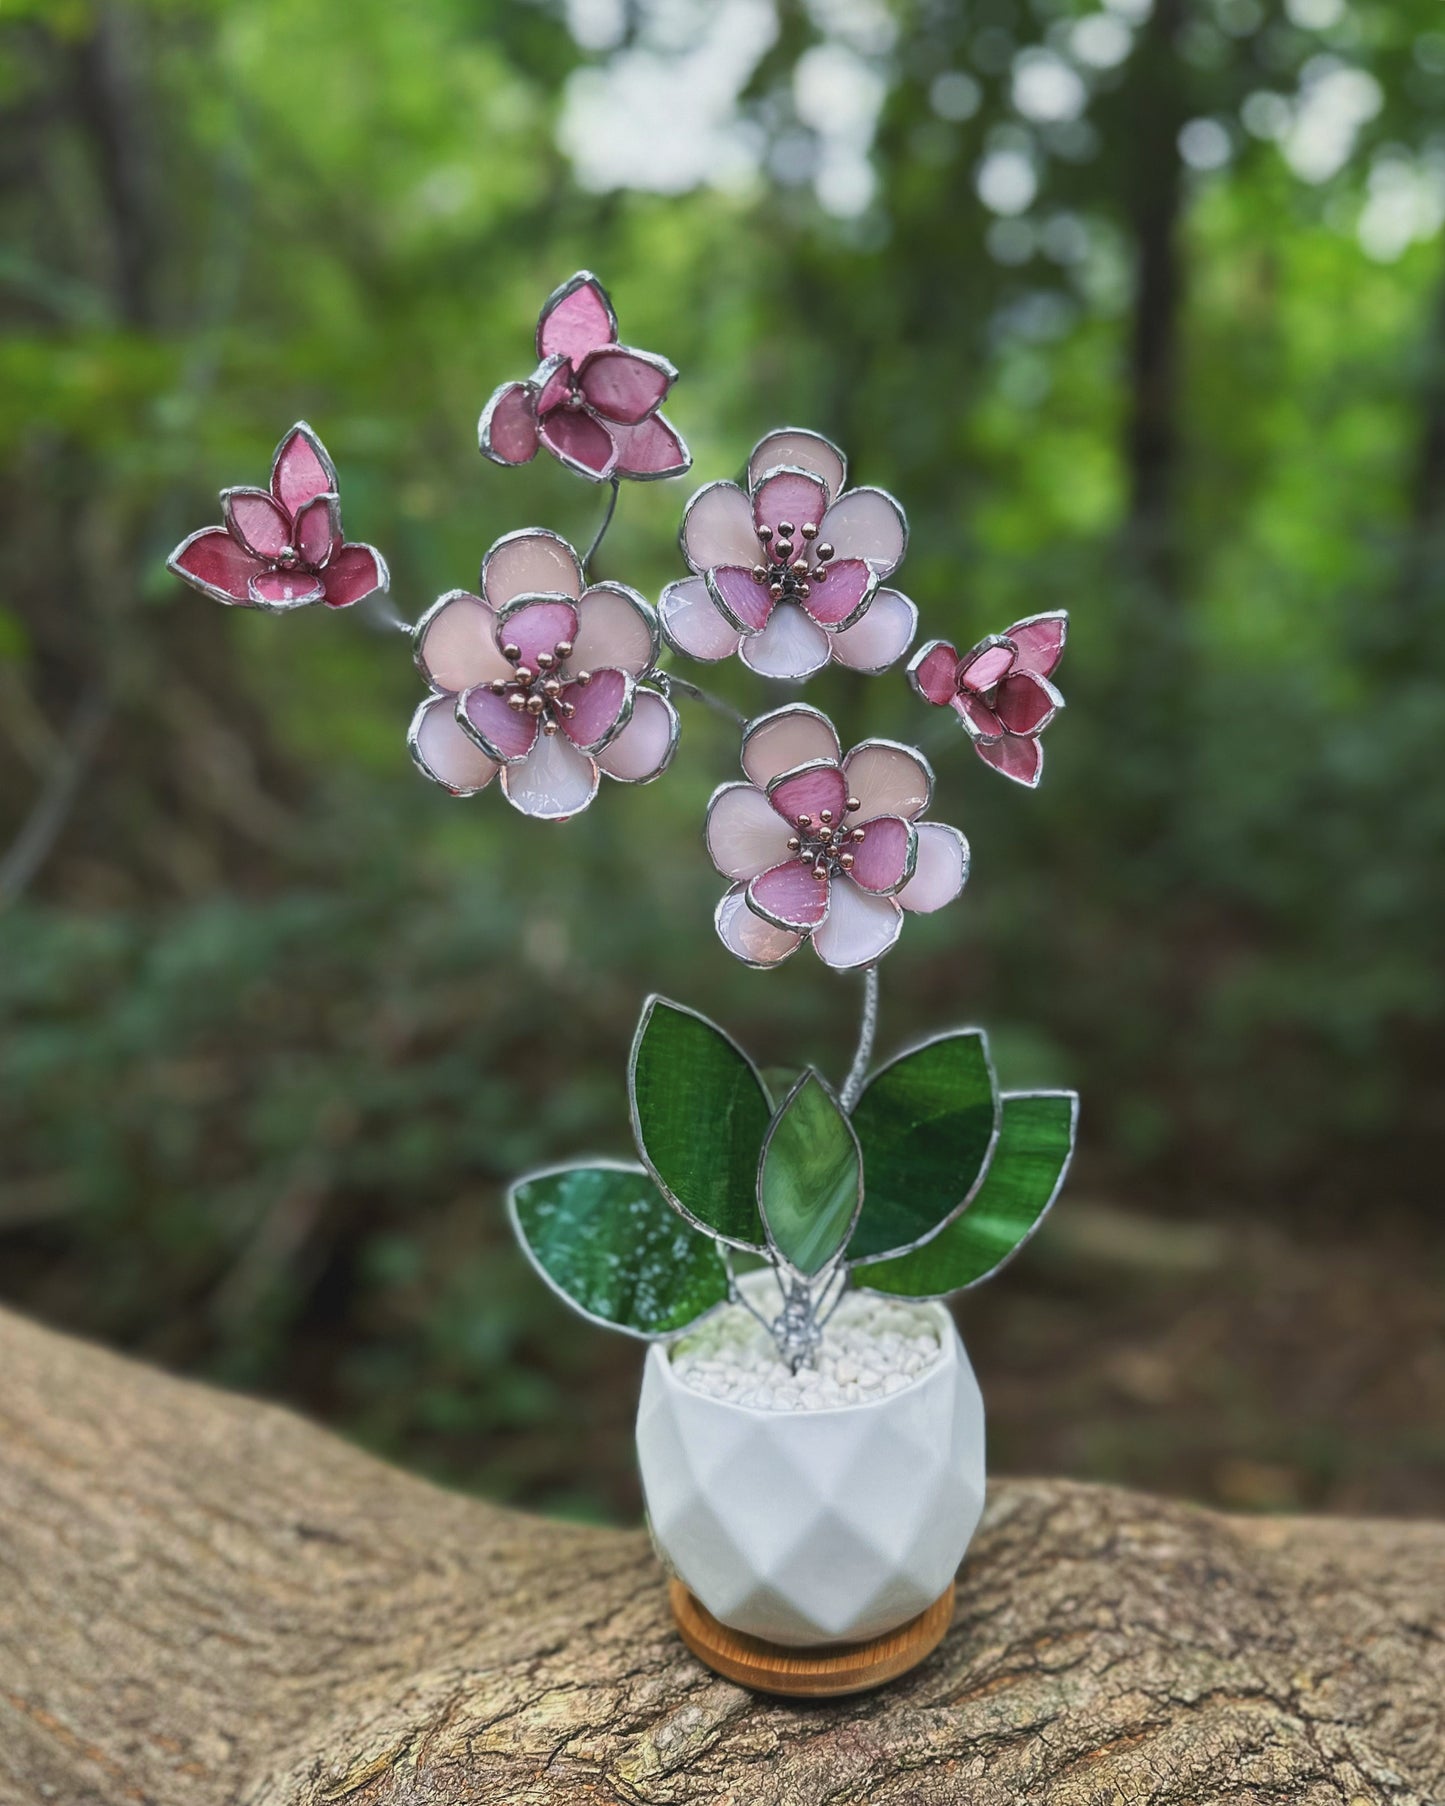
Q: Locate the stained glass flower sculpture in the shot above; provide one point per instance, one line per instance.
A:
(787, 574)
(826, 848)
(591, 402)
(281, 548)
(1000, 690)
(542, 680)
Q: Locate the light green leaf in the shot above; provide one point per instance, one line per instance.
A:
(1031, 1157)
(924, 1123)
(699, 1114)
(612, 1245)
(810, 1179)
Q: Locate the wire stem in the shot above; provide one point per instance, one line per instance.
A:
(601, 532)
(706, 698)
(867, 1028)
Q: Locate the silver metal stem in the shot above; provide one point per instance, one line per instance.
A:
(708, 700)
(867, 1028)
(601, 532)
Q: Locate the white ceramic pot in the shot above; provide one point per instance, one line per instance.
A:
(812, 1527)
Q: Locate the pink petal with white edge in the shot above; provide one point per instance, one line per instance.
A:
(867, 523)
(789, 896)
(796, 446)
(845, 594)
(1026, 704)
(745, 834)
(212, 562)
(941, 870)
(445, 753)
(644, 748)
(653, 448)
(316, 531)
(795, 496)
(888, 779)
(456, 645)
(790, 647)
(882, 636)
(859, 930)
(1040, 640)
(624, 385)
(257, 521)
(601, 709)
(739, 597)
(979, 721)
(554, 782)
(575, 319)
(883, 859)
(747, 936)
(530, 563)
(1019, 758)
(301, 469)
(718, 528)
(279, 590)
(614, 627)
(807, 793)
(692, 623)
(988, 663)
(933, 672)
(581, 442)
(354, 573)
(535, 628)
(786, 738)
(502, 733)
(507, 431)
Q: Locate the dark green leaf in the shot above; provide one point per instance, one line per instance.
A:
(1035, 1142)
(924, 1123)
(810, 1181)
(699, 1114)
(612, 1245)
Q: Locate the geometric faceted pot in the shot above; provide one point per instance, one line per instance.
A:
(810, 1528)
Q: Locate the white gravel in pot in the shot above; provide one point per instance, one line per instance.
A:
(871, 1347)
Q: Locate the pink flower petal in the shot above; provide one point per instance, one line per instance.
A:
(581, 442)
(653, 448)
(747, 936)
(213, 563)
(301, 469)
(882, 636)
(888, 779)
(1026, 704)
(796, 446)
(1018, 757)
(623, 384)
(786, 738)
(535, 627)
(575, 319)
(507, 431)
(554, 782)
(718, 528)
(789, 896)
(503, 733)
(354, 573)
(456, 645)
(553, 382)
(979, 720)
(446, 754)
(859, 930)
(867, 523)
(745, 834)
(941, 871)
(933, 672)
(531, 562)
(691, 621)
(795, 496)
(987, 663)
(256, 521)
(844, 595)
(278, 591)
(883, 860)
(740, 597)
(644, 748)
(800, 797)
(602, 709)
(316, 531)
(790, 647)
(614, 627)
(1040, 641)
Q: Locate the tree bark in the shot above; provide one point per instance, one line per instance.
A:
(206, 1600)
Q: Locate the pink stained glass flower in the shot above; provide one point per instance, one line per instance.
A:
(591, 402)
(824, 848)
(541, 679)
(281, 548)
(1000, 690)
(788, 573)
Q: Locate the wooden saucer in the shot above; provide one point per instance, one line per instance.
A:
(821, 1672)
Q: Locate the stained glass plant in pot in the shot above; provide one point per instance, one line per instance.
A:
(810, 1432)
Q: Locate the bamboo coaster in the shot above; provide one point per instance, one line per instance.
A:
(823, 1672)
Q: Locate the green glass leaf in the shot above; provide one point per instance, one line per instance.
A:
(616, 1250)
(810, 1178)
(699, 1114)
(924, 1123)
(1035, 1144)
